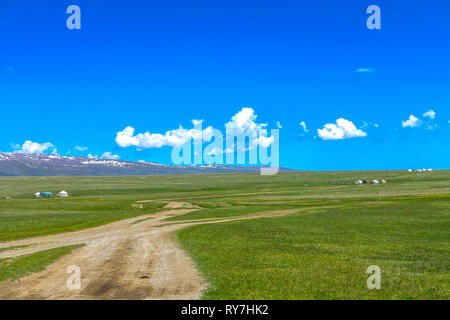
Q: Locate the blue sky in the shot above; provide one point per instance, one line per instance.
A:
(155, 66)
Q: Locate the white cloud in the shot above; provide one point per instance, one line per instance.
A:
(91, 156)
(35, 147)
(81, 148)
(303, 125)
(217, 151)
(279, 126)
(242, 123)
(412, 122)
(343, 129)
(110, 156)
(214, 151)
(430, 114)
(173, 138)
(197, 122)
(369, 124)
(263, 141)
(365, 70)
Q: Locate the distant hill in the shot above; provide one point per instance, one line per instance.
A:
(21, 164)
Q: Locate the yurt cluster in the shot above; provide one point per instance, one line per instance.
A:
(62, 194)
(370, 182)
(420, 170)
(360, 182)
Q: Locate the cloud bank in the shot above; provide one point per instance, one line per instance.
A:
(242, 123)
(343, 129)
(30, 147)
(430, 114)
(172, 138)
(412, 122)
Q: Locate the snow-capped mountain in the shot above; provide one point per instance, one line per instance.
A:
(21, 164)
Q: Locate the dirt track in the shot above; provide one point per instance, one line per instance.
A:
(130, 259)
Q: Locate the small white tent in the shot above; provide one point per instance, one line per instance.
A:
(63, 194)
(410, 170)
(358, 182)
(375, 182)
(430, 170)
(37, 195)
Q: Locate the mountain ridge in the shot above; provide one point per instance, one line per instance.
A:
(43, 164)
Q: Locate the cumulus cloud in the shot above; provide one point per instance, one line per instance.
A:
(427, 121)
(110, 156)
(35, 147)
(430, 114)
(343, 129)
(106, 156)
(242, 123)
(173, 138)
(412, 122)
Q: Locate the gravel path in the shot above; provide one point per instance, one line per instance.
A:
(129, 259)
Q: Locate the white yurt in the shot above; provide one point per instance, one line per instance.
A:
(430, 170)
(358, 182)
(37, 195)
(375, 182)
(410, 170)
(63, 194)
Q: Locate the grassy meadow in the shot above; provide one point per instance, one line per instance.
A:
(321, 251)
(13, 268)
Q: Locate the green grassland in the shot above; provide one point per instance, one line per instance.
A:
(324, 253)
(13, 268)
(29, 218)
(321, 251)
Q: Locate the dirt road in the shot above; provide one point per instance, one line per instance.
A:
(130, 259)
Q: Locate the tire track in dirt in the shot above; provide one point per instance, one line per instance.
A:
(128, 259)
